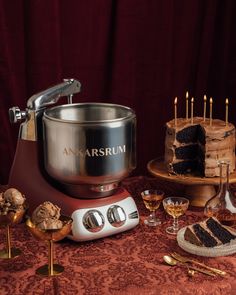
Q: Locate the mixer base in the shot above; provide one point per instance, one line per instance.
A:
(26, 176)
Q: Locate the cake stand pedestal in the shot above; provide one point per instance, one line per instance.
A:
(197, 189)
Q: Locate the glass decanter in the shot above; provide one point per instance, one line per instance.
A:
(223, 204)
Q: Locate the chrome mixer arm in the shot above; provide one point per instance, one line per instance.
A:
(31, 128)
(51, 95)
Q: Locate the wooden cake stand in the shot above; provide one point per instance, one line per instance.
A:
(197, 189)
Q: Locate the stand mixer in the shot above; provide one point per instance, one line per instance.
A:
(74, 156)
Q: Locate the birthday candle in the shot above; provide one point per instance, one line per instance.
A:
(175, 102)
(192, 101)
(187, 105)
(226, 111)
(211, 102)
(204, 111)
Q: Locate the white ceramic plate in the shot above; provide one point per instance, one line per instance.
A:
(223, 250)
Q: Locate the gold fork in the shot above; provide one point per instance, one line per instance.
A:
(188, 260)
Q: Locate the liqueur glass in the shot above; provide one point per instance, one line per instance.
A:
(152, 199)
(223, 204)
(176, 207)
(50, 236)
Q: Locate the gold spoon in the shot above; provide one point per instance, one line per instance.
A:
(171, 261)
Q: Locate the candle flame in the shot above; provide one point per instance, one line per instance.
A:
(176, 99)
(227, 101)
(211, 100)
(187, 94)
(205, 98)
(192, 99)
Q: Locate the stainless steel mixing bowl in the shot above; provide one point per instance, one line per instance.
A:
(89, 147)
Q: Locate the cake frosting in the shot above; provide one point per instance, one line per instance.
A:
(197, 147)
(209, 233)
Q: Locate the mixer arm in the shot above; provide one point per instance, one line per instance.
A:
(51, 95)
(31, 128)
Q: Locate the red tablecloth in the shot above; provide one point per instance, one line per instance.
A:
(127, 263)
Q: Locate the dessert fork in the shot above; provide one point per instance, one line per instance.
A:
(184, 259)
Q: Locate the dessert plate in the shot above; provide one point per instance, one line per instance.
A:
(222, 250)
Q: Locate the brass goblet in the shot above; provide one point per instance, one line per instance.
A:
(50, 236)
(6, 221)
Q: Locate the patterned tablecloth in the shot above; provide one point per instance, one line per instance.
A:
(127, 263)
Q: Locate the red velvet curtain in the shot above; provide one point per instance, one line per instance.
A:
(139, 53)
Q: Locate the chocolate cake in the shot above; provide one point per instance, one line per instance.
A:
(196, 148)
(209, 233)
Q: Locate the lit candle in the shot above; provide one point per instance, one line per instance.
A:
(187, 105)
(204, 111)
(192, 101)
(211, 102)
(226, 111)
(176, 111)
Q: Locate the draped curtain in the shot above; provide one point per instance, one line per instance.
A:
(139, 53)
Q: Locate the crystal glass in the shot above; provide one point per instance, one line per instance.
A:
(152, 199)
(223, 204)
(175, 206)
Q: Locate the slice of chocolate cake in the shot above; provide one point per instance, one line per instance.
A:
(209, 233)
(219, 231)
(204, 236)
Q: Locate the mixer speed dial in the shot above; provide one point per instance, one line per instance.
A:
(93, 221)
(116, 216)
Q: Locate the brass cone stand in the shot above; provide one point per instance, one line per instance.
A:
(9, 252)
(50, 269)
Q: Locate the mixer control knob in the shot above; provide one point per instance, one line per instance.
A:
(93, 221)
(116, 216)
(16, 115)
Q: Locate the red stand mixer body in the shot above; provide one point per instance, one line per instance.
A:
(94, 217)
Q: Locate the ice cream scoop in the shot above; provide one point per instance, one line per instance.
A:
(11, 200)
(44, 211)
(14, 197)
(47, 216)
(50, 223)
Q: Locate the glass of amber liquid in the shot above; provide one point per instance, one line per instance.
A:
(152, 199)
(176, 207)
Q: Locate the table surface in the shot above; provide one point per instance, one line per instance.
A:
(126, 263)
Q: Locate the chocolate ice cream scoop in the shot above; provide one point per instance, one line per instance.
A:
(45, 211)
(50, 223)
(14, 197)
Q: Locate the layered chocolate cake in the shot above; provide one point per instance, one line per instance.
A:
(209, 233)
(196, 148)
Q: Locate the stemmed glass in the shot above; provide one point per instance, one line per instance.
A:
(50, 236)
(175, 206)
(7, 221)
(152, 199)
